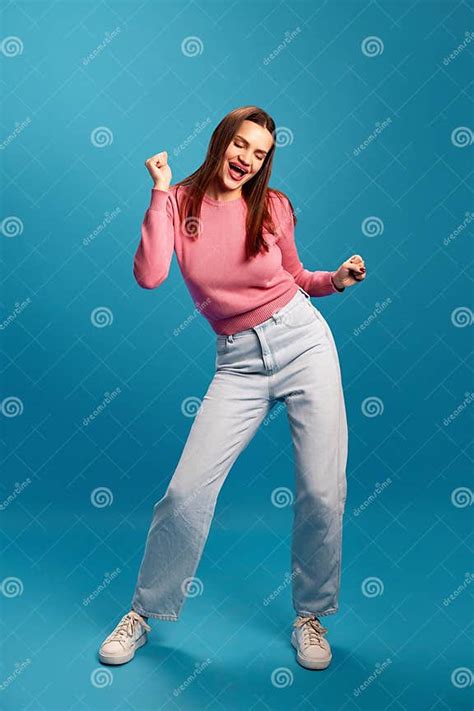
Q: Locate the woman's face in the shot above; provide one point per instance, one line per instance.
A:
(247, 150)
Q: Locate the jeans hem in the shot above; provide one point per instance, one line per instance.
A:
(330, 611)
(156, 615)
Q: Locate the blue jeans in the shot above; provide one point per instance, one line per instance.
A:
(292, 358)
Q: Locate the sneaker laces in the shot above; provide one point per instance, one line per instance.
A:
(313, 630)
(127, 626)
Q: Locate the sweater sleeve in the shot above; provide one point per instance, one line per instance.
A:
(152, 259)
(315, 283)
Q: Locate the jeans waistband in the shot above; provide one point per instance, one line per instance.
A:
(300, 288)
(293, 302)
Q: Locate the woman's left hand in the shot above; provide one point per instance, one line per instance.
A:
(350, 271)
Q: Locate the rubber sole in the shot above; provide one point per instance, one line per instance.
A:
(124, 658)
(309, 663)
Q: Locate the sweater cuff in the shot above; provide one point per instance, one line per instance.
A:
(333, 288)
(158, 199)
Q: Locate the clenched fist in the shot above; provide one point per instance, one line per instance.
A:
(350, 271)
(159, 170)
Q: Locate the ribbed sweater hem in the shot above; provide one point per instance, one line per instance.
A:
(241, 322)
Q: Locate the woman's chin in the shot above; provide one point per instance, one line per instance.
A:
(230, 185)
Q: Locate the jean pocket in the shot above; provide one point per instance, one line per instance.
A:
(318, 315)
(301, 315)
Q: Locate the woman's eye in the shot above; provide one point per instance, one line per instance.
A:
(239, 145)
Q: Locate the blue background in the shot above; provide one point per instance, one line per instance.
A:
(75, 190)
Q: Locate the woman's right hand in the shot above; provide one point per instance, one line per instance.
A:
(159, 170)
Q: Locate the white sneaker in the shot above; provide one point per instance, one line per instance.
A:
(313, 651)
(130, 634)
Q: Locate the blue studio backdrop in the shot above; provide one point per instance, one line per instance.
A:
(101, 379)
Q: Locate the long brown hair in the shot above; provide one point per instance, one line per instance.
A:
(255, 192)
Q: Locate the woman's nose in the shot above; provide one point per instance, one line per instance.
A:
(245, 160)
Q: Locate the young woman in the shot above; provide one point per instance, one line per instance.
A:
(234, 241)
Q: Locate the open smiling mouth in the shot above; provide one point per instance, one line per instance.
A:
(236, 172)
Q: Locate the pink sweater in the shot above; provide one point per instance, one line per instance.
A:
(232, 294)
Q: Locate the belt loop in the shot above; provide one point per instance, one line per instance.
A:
(304, 292)
(230, 338)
